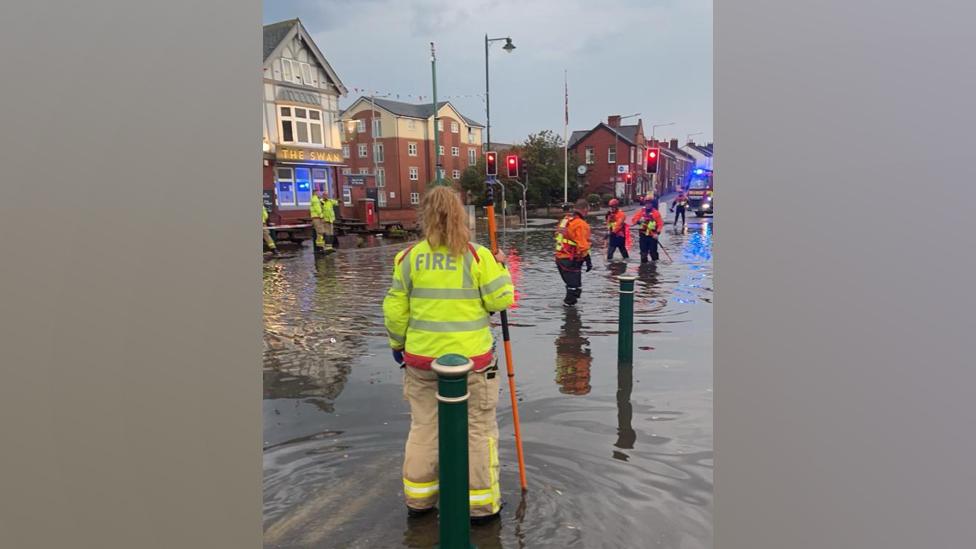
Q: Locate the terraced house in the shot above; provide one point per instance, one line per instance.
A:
(388, 148)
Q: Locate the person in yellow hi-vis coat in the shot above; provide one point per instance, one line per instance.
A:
(267, 234)
(321, 209)
(443, 292)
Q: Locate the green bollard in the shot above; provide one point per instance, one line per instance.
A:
(625, 323)
(452, 446)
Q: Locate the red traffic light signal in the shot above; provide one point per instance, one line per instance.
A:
(512, 162)
(491, 163)
(652, 156)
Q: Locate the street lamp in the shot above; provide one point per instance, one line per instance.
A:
(508, 47)
(690, 135)
(655, 126)
(616, 154)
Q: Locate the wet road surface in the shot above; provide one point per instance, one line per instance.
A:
(615, 457)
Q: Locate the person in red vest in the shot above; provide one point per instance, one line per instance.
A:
(616, 230)
(649, 222)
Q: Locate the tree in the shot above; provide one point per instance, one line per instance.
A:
(542, 158)
(473, 182)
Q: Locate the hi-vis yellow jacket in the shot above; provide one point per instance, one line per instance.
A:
(439, 304)
(322, 207)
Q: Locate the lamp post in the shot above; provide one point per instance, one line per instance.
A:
(437, 148)
(653, 140)
(508, 47)
(616, 155)
(690, 135)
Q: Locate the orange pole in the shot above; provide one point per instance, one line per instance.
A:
(508, 359)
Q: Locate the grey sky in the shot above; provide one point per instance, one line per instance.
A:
(622, 57)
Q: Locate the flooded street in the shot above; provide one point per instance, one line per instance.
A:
(615, 457)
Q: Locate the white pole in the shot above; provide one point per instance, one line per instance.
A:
(566, 143)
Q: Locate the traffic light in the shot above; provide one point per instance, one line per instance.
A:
(652, 155)
(491, 163)
(512, 162)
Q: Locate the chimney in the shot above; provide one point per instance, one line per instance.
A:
(673, 145)
(613, 121)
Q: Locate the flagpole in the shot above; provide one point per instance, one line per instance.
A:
(566, 143)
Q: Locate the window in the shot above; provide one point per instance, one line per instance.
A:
(362, 150)
(345, 151)
(363, 171)
(360, 126)
(346, 171)
(347, 196)
(633, 151)
(303, 186)
(415, 198)
(295, 71)
(590, 155)
(381, 178)
(471, 135)
(472, 157)
(377, 127)
(411, 149)
(454, 127)
(285, 185)
(414, 174)
(611, 155)
(411, 124)
(455, 151)
(301, 125)
(440, 125)
(381, 200)
(440, 150)
(320, 180)
(456, 174)
(378, 152)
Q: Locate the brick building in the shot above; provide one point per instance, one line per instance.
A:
(611, 158)
(674, 167)
(388, 148)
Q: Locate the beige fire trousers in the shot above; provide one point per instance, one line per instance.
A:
(420, 473)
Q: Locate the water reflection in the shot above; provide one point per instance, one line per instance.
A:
(626, 436)
(573, 356)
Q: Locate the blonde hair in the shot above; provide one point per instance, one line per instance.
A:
(444, 220)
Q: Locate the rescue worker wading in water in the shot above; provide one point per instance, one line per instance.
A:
(678, 207)
(443, 291)
(616, 230)
(573, 250)
(649, 222)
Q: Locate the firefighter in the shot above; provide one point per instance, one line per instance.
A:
(573, 250)
(616, 230)
(444, 288)
(679, 206)
(322, 211)
(649, 223)
(267, 234)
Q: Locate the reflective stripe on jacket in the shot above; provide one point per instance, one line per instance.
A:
(573, 240)
(650, 223)
(616, 222)
(439, 304)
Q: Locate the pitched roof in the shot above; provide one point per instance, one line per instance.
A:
(422, 111)
(576, 136)
(627, 133)
(682, 154)
(276, 33)
(704, 151)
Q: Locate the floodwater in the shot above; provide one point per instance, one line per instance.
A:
(616, 457)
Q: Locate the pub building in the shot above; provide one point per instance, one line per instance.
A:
(301, 145)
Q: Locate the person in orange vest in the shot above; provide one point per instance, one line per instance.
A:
(616, 230)
(649, 223)
(573, 250)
